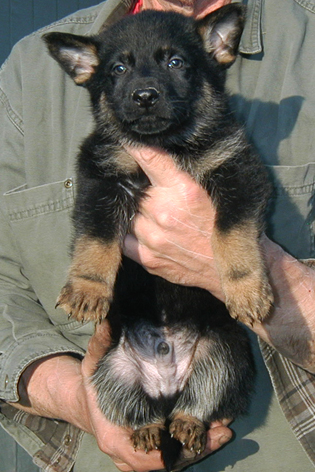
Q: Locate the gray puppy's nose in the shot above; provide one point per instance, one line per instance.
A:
(145, 97)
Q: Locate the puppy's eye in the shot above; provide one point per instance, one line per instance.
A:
(176, 63)
(119, 69)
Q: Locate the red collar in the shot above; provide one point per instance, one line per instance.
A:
(137, 7)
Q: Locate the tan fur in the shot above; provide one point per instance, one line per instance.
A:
(189, 431)
(124, 162)
(248, 294)
(89, 289)
(147, 438)
(217, 155)
(86, 66)
(308, 262)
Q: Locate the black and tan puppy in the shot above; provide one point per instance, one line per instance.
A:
(178, 359)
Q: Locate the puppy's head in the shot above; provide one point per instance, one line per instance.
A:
(147, 72)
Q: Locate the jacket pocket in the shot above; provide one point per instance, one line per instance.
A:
(291, 211)
(40, 219)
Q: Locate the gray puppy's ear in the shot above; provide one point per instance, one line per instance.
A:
(77, 55)
(221, 32)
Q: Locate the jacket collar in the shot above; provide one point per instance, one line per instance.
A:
(251, 41)
(109, 12)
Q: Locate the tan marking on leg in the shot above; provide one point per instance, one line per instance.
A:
(248, 294)
(190, 431)
(89, 290)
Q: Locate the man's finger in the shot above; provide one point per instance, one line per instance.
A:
(224, 422)
(131, 248)
(218, 436)
(97, 347)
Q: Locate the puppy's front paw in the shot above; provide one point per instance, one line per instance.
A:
(190, 432)
(147, 438)
(89, 291)
(249, 299)
(85, 300)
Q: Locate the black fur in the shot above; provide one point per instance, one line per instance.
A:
(158, 79)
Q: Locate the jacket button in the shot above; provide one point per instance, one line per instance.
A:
(68, 183)
(57, 462)
(6, 381)
(67, 440)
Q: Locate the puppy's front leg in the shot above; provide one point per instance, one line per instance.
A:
(102, 215)
(89, 289)
(248, 295)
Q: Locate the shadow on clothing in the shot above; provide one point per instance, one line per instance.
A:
(13, 458)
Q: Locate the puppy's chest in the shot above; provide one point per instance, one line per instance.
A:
(195, 162)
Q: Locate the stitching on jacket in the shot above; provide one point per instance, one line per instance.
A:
(66, 21)
(41, 209)
(298, 190)
(307, 4)
(14, 118)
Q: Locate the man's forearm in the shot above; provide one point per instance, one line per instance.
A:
(290, 328)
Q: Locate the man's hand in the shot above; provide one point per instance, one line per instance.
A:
(171, 234)
(171, 237)
(59, 387)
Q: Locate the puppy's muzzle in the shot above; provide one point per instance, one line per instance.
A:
(146, 97)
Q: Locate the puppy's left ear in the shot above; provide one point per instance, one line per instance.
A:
(221, 32)
(77, 55)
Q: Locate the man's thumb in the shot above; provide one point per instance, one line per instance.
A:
(157, 164)
(97, 347)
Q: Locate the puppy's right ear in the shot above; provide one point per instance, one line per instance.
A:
(221, 32)
(77, 55)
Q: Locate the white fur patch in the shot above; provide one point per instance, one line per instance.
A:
(161, 369)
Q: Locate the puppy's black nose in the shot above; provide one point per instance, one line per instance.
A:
(146, 97)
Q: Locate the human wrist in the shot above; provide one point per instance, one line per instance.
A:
(53, 387)
(290, 326)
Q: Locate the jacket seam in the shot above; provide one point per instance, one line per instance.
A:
(41, 209)
(295, 190)
(67, 21)
(310, 6)
(12, 115)
(251, 41)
